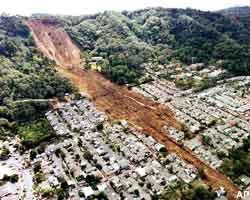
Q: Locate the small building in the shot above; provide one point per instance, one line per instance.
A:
(102, 187)
(95, 63)
(159, 147)
(96, 59)
(124, 164)
(245, 180)
(141, 171)
(87, 192)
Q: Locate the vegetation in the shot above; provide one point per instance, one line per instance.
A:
(25, 75)
(239, 14)
(115, 147)
(237, 163)
(92, 180)
(52, 192)
(101, 196)
(206, 140)
(38, 177)
(35, 132)
(99, 126)
(127, 39)
(13, 179)
(48, 192)
(4, 153)
(163, 151)
(33, 154)
(88, 155)
(183, 191)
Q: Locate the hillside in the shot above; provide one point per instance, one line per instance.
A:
(125, 40)
(239, 14)
(128, 39)
(236, 11)
(24, 75)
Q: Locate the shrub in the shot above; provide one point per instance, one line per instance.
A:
(206, 139)
(99, 126)
(13, 178)
(33, 154)
(4, 153)
(92, 180)
(88, 155)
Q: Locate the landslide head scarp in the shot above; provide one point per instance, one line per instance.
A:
(54, 42)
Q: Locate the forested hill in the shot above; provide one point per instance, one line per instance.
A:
(24, 75)
(236, 11)
(127, 39)
(239, 14)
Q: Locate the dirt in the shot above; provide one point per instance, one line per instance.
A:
(117, 101)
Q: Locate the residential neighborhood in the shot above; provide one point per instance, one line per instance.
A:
(216, 119)
(96, 157)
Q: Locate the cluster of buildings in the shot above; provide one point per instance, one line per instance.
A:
(91, 157)
(96, 157)
(176, 71)
(15, 175)
(216, 119)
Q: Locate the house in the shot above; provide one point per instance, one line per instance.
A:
(221, 192)
(193, 143)
(159, 147)
(141, 171)
(87, 192)
(96, 59)
(45, 185)
(53, 181)
(95, 63)
(124, 164)
(116, 184)
(245, 180)
(5, 170)
(216, 73)
(102, 187)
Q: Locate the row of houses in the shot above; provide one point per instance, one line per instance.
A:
(216, 119)
(127, 164)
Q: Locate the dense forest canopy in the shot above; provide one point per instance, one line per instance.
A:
(162, 35)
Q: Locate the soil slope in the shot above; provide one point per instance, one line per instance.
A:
(117, 101)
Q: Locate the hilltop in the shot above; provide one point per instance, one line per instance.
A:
(239, 14)
(128, 39)
(236, 11)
